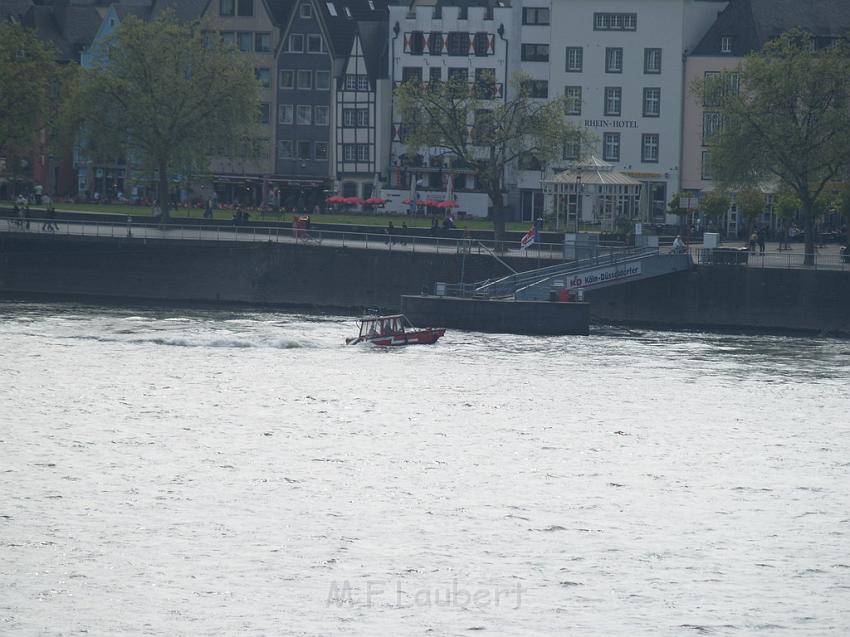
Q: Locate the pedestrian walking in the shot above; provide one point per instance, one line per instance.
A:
(761, 240)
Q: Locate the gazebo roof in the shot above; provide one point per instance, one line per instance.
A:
(593, 172)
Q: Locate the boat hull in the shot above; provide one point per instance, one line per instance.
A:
(426, 336)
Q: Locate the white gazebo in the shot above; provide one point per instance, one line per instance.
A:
(608, 194)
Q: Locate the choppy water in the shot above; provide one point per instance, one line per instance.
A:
(198, 472)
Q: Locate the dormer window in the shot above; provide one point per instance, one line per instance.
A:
(331, 9)
(348, 13)
(726, 44)
(305, 11)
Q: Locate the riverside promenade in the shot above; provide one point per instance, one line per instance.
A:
(827, 256)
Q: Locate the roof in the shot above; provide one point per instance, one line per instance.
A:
(69, 29)
(14, 9)
(752, 23)
(346, 19)
(184, 10)
(373, 40)
(280, 11)
(593, 172)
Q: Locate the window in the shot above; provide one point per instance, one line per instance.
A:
(527, 161)
(574, 59)
(732, 83)
(356, 82)
(614, 21)
(482, 125)
(712, 88)
(726, 44)
(649, 148)
(265, 113)
(355, 152)
(263, 42)
(611, 147)
(355, 117)
(573, 95)
(305, 10)
(536, 88)
(227, 7)
(305, 80)
(435, 74)
(304, 114)
(485, 83)
(331, 8)
(435, 43)
(264, 75)
(535, 52)
(459, 75)
(284, 149)
(321, 150)
(652, 102)
(458, 43)
(245, 8)
(572, 148)
(613, 101)
(411, 74)
(314, 44)
(296, 43)
(287, 79)
(321, 116)
(535, 15)
(613, 60)
(323, 80)
(244, 40)
(228, 37)
(705, 169)
(711, 122)
(481, 44)
(304, 149)
(285, 114)
(416, 42)
(652, 60)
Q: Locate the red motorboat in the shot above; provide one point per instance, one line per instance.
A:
(395, 330)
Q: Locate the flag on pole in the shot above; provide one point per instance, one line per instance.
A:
(528, 238)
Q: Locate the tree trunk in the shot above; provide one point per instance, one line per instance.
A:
(163, 191)
(809, 216)
(499, 213)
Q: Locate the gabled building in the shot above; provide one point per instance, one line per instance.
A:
(106, 179)
(246, 173)
(452, 40)
(743, 27)
(363, 107)
(314, 52)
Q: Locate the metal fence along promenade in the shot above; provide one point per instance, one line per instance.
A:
(379, 240)
(257, 233)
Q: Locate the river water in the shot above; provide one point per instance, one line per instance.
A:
(209, 472)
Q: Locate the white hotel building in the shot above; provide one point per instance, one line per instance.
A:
(620, 63)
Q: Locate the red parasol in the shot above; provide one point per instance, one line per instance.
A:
(335, 199)
(375, 201)
(450, 203)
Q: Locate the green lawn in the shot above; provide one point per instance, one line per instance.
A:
(370, 219)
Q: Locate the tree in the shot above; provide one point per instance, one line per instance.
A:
(462, 120)
(714, 205)
(788, 122)
(785, 205)
(166, 96)
(750, 204)
(27, 75)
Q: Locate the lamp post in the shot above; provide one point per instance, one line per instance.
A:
(579, 193)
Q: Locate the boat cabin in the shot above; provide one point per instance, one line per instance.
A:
(383, 325)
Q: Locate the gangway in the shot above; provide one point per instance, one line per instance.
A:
(602, 270)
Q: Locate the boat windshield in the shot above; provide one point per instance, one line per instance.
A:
(382, 326)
